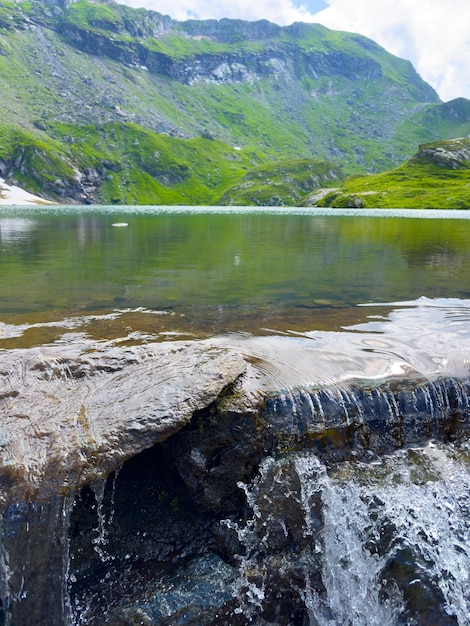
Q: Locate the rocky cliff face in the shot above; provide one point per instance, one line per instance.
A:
(452, 155)
(247, 51)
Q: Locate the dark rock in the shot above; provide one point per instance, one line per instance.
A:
(237, 490)
(341, 422)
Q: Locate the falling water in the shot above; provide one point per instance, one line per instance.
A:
(369, 529)
(378, 418)
(380, 543)
(35, 562)
(400, 525)
(101, 538)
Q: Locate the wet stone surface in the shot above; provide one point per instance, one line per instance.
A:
(71, 415)
(161, 485)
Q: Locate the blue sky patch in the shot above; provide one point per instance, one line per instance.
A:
(312, 5)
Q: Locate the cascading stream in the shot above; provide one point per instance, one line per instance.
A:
(35, 563)
(380, 543)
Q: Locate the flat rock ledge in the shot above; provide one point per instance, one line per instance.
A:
(69, 416)
(72, 413)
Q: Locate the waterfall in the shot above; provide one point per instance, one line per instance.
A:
(104, 521)
(34, 562)
(346, 505)
(399, 529)
(380, 543)
(378, 419)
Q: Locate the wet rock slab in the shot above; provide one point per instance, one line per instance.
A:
(73, 414)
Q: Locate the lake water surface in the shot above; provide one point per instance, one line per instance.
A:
(372, 287)
(188, 273)
(226, 270)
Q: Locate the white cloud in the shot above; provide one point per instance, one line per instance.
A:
(432, 34)
(281, 12)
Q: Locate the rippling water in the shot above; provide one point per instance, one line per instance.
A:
(176, 272)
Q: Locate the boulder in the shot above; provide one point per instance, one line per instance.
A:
(71, 415)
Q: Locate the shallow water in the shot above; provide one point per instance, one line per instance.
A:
(260, 265)
(313, 297)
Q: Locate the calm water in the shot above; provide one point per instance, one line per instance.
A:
(213, 272)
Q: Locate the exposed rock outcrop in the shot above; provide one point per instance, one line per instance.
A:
(453, 154)
(240, 492)
(69, 417)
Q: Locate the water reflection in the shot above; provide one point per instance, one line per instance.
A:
(265, 270)
(301, 294)
(13, 230)
(422, 339)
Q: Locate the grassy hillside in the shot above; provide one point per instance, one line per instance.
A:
(447, 120)
(105, 103)
(281, 184)
(437, 176)
(122, 163)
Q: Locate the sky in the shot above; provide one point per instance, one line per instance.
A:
(433, 34)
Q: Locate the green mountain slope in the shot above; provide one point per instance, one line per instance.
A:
(447, 120)
(283, 183)
(216, 98)
(437, 176)
(122, 163)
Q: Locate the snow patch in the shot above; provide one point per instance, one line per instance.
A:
(11, 194)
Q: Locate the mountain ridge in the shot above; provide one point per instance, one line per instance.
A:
(74, 75)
